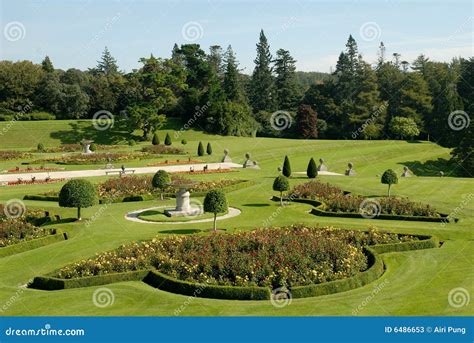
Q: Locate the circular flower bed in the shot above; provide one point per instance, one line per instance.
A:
(275, 257)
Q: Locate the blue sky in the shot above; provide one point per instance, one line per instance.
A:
(74, 33)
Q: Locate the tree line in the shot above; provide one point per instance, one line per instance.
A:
(392, 98)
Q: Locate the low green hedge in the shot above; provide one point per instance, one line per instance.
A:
(318, 211)
(375, 271)
(40, 197)
(169, 284)
(32, 244)
(51, 283)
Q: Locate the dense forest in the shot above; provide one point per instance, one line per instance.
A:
(393, 99)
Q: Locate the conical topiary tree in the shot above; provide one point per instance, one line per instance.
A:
(78, 193)
(209, 149)
(156, 139)
(281, 184)
(160, 180)
(215, 202)
(312, 170)
(200, 149)
(287, 167)
(389, 178)
(168, 139)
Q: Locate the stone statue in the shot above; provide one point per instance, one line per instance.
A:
(350, 171)
(226, 157)
(406, 172)
(322, 166)
(249, 163)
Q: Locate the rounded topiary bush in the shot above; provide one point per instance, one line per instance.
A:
(132, 142)
(215, 202)
(161, 180)
(389, 178)
(93, 147)
(78, 193)
(312, 170)
(184, 141)
(281, 184)
(200, 149)
(40, 147)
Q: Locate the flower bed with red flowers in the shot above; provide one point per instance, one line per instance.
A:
(162, 149)
(168, 162)
(335, 200)
(141, 185)
(208, 171)
(33, 182)
(15, 230)
(271, 257)
(29, 169)
(94, 158)
(13, 155)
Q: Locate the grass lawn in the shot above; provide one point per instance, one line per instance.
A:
(415, 282)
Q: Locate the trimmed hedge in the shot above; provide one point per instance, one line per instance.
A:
(317, 210)
(51, 283)
(375, 271)
(169, 284)
(41, 197)
(32, 244)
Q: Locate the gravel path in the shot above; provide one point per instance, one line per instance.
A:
(101, 172)
(133, 216)
(321, 173)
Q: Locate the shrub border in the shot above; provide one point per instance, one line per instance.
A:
(142, 197)
(32, 244)
(167, 283)
(318, 206)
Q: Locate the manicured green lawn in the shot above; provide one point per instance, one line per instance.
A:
(415, 282)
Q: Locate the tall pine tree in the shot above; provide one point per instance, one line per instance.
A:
(286, 86)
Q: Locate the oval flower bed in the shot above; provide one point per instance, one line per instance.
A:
(334, 200)
(292, 256)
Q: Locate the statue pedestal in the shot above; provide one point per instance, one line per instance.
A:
(183, 207)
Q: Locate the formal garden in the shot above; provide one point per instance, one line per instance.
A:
(269, 231)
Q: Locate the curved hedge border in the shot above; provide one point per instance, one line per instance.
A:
(318, 210)
(143, 197)
(169, 284)
(33, 244)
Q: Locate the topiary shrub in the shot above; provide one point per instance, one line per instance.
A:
(287, 167)
(161, 180)
(156, 139)
(184, 142)
(93, 147)
(132, 142)
(312, 170)
(389, 178)
(168, 139)
(78, 193)
(215, 202)
(209, 149)
(40, 147)
(281, 185)
(200, 149)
